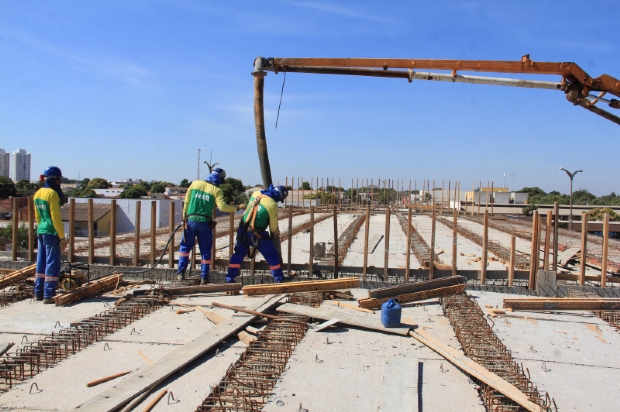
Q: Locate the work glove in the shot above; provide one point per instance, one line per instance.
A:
(63, 244)
(241, 206)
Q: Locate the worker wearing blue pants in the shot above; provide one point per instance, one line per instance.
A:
(263, 243)
(202, 231)
(200, 201)
(252, 235)
(50, 234)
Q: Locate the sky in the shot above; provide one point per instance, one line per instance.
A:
(132, 89)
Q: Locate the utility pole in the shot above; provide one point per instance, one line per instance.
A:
(210, 165)
(571, 175)
(198, 177)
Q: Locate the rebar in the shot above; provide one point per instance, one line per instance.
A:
(33, 357)
(419, 247)
(249, 382)
(345, 240)
(312, 299)
(482, 345)
(610, 316)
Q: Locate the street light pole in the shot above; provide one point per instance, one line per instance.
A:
(571, 176)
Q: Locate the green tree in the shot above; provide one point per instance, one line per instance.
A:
(158, 188)
(7, 188)
(582, 197)
(26, 185)
(185, 183)
(598, 214)
(305, 186)
(98, 183)
(134, 192)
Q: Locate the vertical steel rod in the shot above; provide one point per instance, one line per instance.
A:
(91, 233)
(112, 232)
(548, 240)
(366, 229)
(605, 250)
(584, 249)
(485, 248)
(408, 247)
(533, 257)
(556, 222)
(136, 238)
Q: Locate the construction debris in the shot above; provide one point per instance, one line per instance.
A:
(305, 286)
(529, 304)
(373, 303)
(97, 286)
(107, 378)
(190, 290)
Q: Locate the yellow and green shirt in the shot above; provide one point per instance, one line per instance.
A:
(201, 199)
(267, 213)
(47, 211)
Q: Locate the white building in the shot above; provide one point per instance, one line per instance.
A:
(123, 183)
(111, 192)
(4, 163)
(21, 165)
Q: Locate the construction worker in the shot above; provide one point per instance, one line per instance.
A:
(262, 212)
(50, 234)
(200, 201)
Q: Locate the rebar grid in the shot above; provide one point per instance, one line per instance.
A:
(312, 299)
(610, 316)
(248, 383)
(419, 247)
(345, 240)
(521, 261)
(480, 344)
(33, 357)
(22, 292)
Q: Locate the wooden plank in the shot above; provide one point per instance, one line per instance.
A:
(397, 391)
(243, 310)
(152, 375)
(475, 370)
(413, 297)
(566, 255)
(327, 313)
(189, 290)
(306, 286)
(415, 287)
(326, 324)
(562, 304)
(584, 249)
(15, 224)
(349, 306)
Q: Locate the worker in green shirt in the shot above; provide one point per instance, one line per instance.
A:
(262, 213)
(200, 201)
(50, 235)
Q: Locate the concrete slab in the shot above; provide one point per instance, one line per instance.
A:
(570, 355)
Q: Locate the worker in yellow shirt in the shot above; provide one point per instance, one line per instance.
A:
(50, 235)
(261, 213)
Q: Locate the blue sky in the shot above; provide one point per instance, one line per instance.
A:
(121, 89)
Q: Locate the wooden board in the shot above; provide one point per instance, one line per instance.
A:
(475, 370)
(415, 287)
(152, 375)
(412, 297)
(528, 304)
(327, 313)
(306, 286)
(190, 290)
(566, 255)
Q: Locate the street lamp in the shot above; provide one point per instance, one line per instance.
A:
(571, 175)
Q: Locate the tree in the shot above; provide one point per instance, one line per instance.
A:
(185, 183)
(134, 192)
(98, 183)
(305, 186)
(582, 197)
(598, 214)
(26, 185)
(7, 188)
(158, 188)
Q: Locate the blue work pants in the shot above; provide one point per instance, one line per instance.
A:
(245, 239)
(202, 231)
(48, 266)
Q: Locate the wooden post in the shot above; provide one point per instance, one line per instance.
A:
(311, 254)
(112, 231)
(431, 267)
(366, 229)
(136, 237)
(31, 234)
(458, 202)
(605, 250)
(473, 194)
(15, 223)
(91, 233)
(454, 240)
(584, 249)
(286, 184)
(231, 234)
(290, 239)
(71, 234)
(408, 247)
(492, 197)
(442, 187)
(533, 257)
(335, 210)
(486, 198)
(170, 231)
(556, 222)
(548, 240)
(153, 231)
(479, 196)
(214, 237)
(449, 190)
(386, 250)
(511, 268)
(485, 248)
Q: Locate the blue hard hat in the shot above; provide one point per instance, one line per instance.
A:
(52, 171)
(220, 172)
(283, 190)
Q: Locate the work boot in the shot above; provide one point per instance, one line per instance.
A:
(204, 281)
(38, 298)
(49, 301)
(181, 276)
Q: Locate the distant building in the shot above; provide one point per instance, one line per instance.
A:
(123, 183)
(175, 192)
(21, 165)
(111, 192)
(5, 160)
